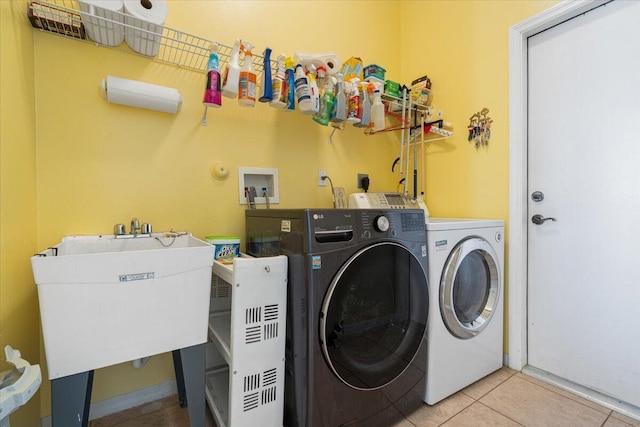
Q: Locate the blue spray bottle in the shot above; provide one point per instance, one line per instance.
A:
(291, 89)
(266, 95)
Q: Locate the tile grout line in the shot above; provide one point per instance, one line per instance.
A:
(493, 388)
(504, 415)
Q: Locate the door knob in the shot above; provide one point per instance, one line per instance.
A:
(539, 219)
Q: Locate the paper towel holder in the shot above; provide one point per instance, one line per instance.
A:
(140, 94)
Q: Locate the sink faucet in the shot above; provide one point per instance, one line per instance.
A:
(136, 230)
(135, 226)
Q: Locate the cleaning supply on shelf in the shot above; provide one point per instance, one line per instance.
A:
(377, 111)
(313, 89)
(354, 111)
(322, 83)
(290, 88)
(352, 68)
(365, 107)
(339, 113)
(247, 80)
(303, 92)
(267, 88)
(212, 93)
(326, 105)
(231, 73)
(278, 86)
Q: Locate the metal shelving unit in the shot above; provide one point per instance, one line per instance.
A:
(181, 49)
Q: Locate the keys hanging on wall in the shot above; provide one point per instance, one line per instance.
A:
(480, 128)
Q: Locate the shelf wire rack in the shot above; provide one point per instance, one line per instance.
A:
(68, 19)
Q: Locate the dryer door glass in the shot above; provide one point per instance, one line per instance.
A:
(469, 287)
(374, 316)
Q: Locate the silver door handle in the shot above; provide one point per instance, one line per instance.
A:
(539, 219)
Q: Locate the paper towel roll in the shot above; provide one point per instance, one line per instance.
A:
(103, 20)
(147, 17)
(329, 60)
(140, 94)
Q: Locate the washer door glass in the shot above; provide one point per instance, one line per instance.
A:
(374, 316)
(469, 287)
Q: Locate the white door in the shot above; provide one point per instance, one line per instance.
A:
(584, 160)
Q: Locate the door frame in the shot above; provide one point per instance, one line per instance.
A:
(518, 215)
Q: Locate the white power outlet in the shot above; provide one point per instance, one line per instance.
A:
(322, 182)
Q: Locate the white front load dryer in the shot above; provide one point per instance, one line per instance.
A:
(465, 258)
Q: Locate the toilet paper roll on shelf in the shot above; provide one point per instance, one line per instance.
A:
(103, 20)
(147, 18)
(141, 94)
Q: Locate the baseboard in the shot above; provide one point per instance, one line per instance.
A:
(126, 401)
(587, 393)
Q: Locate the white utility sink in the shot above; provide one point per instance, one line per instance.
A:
(106, 300)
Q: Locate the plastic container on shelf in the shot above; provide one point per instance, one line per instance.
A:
(374, 70)
(392, 88)
(225, 247)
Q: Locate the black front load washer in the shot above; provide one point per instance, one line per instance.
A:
(357, 309)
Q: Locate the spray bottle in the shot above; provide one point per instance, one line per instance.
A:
(247, 82)
(377, 112)
(365, 107)
(212, 94)
(313, 90)
(232, 73)
(290, 88)
(267, 88)
(326, 106)
(278, 86)
(303, 92)
(323, 83)
(339, 113)
(354, 110)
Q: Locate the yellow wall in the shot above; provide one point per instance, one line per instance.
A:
(97, 164)
(19, 323)
(463, 47)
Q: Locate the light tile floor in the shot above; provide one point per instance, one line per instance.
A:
(505, 398)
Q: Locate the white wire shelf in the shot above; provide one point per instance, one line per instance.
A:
(167, 45)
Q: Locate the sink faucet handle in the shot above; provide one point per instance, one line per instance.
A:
(135, 225)
(146, 228)
(118, 229)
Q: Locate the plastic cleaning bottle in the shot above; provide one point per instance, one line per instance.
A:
(247, 81)
(232, 73)
(339, 113)
(377, 112)
(303, 92)
(267, 88)
(353, 104)
(326, 106)
(323, 83)
(212, 93)
(290, 89)
(278, 86)
(365, 107)
(313, 90)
